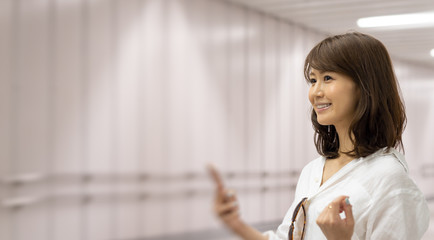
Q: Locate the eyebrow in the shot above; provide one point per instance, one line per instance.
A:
(320, 72)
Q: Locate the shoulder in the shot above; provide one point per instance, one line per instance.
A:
(312, 166)
(314, 163)
(392, 191)
(388, 172)
(385, 163)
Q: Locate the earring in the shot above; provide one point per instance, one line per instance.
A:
(328, 127)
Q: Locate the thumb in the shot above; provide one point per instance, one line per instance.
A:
(348, 209)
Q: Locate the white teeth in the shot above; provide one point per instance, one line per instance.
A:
(323, 105)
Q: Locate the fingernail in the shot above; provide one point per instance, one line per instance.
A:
(234, 204)
(347, 201)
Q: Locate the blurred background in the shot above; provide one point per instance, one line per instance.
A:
(110, 110)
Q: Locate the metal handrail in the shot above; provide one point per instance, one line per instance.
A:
(30, 178)
(86, 196)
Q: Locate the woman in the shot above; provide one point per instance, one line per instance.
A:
(358, 117)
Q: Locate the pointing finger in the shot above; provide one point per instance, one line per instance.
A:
(215, 175)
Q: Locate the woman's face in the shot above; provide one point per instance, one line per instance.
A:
(334, 98)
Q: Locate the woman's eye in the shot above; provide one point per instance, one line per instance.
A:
(312, 80)
(326, 78)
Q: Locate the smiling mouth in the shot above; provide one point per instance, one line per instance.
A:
(323, 106)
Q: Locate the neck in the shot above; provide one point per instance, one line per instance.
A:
(345, 144)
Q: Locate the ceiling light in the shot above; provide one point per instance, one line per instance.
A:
(412, 19)
(432, 52)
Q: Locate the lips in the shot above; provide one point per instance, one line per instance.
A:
(322, 107)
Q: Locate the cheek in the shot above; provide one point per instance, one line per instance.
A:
(352, 101)
(310, 95)
(333, 90)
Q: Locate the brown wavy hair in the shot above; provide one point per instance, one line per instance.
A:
(380, 117)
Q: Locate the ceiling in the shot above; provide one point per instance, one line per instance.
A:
(340, 16)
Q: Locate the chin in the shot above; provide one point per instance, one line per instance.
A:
(324, 122)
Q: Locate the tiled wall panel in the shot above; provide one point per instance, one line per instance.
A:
(110, 111)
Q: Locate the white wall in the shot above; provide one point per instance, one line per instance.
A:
(417, 86)
(110, 111)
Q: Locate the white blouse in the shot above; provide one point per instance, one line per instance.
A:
(386, 203)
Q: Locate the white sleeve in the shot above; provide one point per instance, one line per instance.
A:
(282, 231)
(402, 214)
(274, 236)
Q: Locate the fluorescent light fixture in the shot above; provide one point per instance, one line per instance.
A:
(416, 19)
(432, 52)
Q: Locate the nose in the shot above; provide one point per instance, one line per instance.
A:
(318, 90)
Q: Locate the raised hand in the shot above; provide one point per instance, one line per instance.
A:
(225, 203)
(331, 223)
